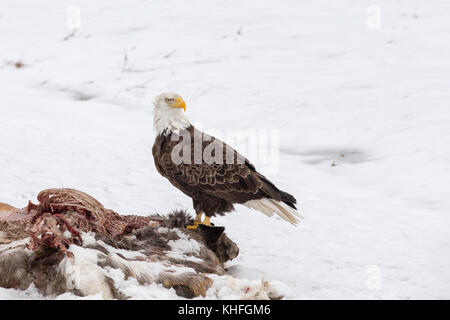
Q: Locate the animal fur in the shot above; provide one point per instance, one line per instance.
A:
(69, 241)
(188, 284)
(4, 208)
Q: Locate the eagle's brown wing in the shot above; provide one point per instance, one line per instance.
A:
(236, 182)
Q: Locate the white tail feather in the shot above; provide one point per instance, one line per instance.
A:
(271, 206)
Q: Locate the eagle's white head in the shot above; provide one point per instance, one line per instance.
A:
(169, 114)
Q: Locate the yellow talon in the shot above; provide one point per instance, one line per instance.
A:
(193, 227)
(197, 221)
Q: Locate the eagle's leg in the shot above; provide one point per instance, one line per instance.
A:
(206, 222)
(197, 221)
(198, 218)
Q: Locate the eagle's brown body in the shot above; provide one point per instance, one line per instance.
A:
(213, 187)
(4, 207)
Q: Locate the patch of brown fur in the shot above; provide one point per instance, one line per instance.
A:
(188, 284)
(223, 248)
(11, 231)
(15, 268)
(226, 249)
(45, 271)
(4, 207)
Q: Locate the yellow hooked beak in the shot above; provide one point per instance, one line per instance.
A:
(180, 104)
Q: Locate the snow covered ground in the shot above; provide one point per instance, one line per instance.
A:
(361, 105)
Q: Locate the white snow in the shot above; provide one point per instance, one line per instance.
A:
(183, 248)
(322, 73)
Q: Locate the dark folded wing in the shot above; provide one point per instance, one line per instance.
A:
(237, 182)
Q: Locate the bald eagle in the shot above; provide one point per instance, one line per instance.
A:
(215, 184)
